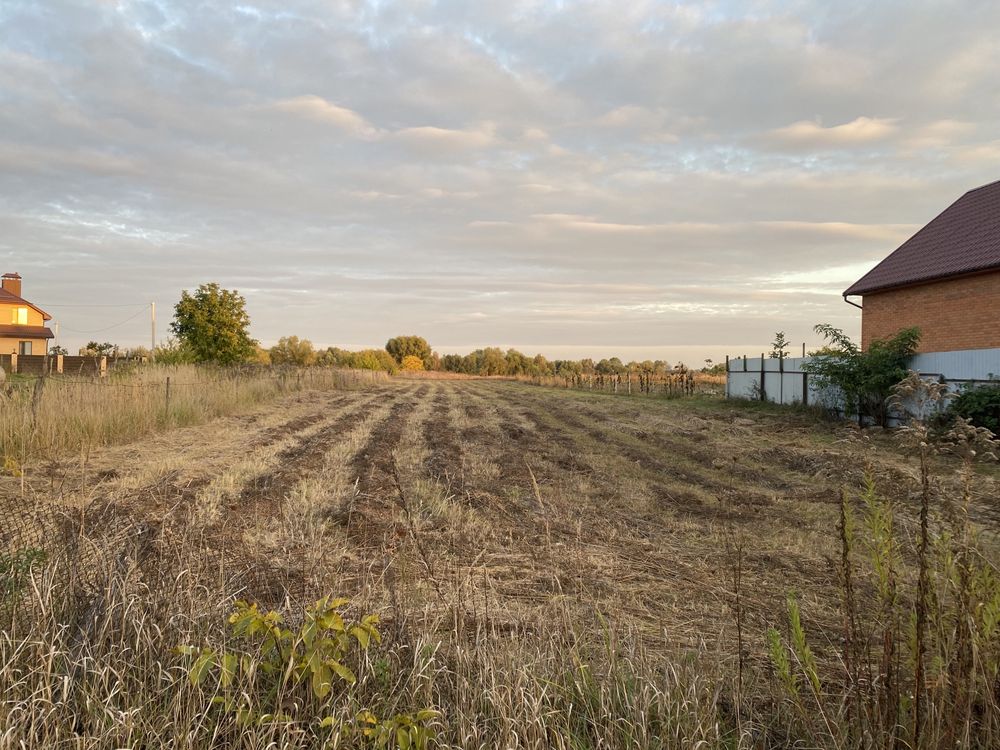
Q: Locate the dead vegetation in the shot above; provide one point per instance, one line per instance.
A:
(516, 540)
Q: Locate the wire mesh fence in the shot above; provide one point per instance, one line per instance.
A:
(86, 547)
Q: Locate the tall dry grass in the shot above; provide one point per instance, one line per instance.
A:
(88, 657)
(46, 417)
(88, 648)
(108, 675)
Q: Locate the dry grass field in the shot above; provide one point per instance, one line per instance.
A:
(483, 512)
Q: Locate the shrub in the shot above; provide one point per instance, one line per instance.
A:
(865, 378)
(980, 404)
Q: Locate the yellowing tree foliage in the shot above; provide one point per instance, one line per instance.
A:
(291, 350)
(412, 363)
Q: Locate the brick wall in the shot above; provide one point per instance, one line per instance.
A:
(952, 315)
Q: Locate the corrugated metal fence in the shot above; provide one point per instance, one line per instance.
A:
(783, 381)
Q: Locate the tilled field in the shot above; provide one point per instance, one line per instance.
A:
(500, 503)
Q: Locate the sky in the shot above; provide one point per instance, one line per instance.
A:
(643, 179)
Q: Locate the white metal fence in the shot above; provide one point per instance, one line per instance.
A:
(783, 381)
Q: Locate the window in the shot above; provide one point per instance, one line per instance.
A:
(19, 316)
(24, 348)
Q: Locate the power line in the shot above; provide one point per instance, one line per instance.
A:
(108, 328)
(134, 304)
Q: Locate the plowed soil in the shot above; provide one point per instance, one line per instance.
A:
(497, 501)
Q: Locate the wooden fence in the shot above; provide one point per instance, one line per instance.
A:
(678, 383)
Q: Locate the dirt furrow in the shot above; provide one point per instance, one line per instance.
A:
(263, 496)
(374, 464)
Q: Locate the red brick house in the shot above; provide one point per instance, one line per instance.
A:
(945, 280)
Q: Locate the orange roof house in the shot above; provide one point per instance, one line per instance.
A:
(22, 324)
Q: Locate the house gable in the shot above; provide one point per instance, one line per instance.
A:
(963, 239)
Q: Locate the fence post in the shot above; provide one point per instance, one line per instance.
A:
(744, 363)
(102, 366)
(781, 380)
(36, 399)
(805, 388)
(727, 376)
(59, 364)
(13, 362)
(763, 391)
(168, 393)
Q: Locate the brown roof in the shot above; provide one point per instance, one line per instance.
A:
(12, 299)
(963, 239)
(26, 332)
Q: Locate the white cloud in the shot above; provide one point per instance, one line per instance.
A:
(485, 172)
(447, 139)
(318, 109)
(811, 134)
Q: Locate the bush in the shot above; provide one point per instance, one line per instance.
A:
(865, 378)
(980, 404)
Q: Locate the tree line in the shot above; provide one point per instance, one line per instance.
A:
(212, 325)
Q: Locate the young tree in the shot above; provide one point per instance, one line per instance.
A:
(291, 350)
(779, 347)
(214, 325)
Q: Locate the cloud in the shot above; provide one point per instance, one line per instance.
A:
(566, 177)
(436, 139)
(811, 134)
(318, 109)
(938, 134)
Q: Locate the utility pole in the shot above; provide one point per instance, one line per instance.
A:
(152, 321)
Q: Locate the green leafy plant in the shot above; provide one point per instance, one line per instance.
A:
(779, 347)
(980, 404)
(865, 378)
(15, 569)
(269, 667)
(213, 325)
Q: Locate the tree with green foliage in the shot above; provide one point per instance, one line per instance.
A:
(451, 363)
(291, 350)
(410, 346)
(779, 347)
(864, 378)
(93, 349)
(213, 323)
(371, 359)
